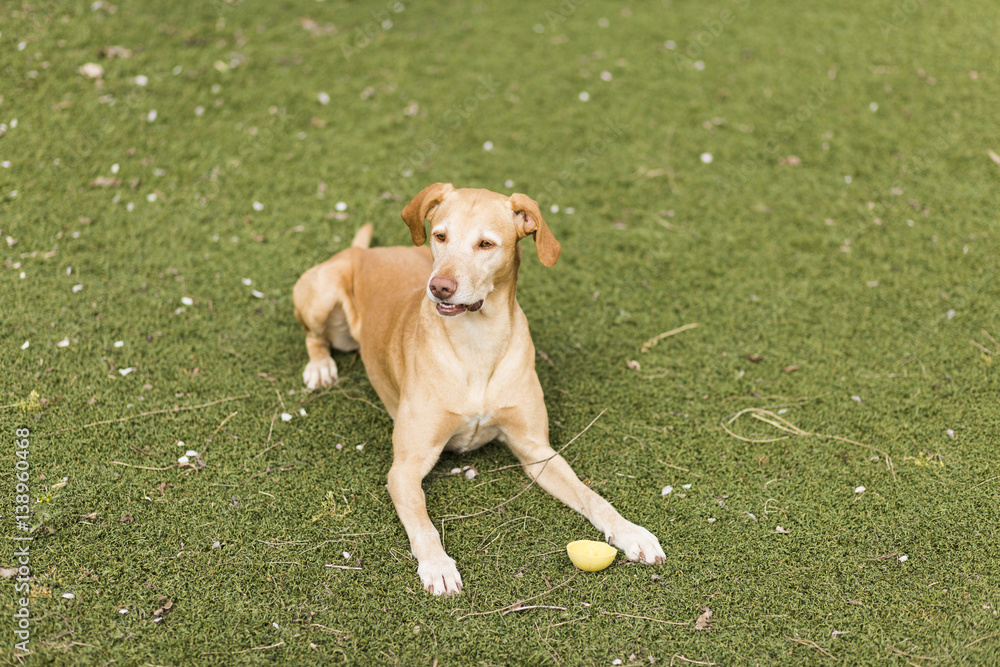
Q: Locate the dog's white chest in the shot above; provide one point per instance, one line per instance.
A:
(474, 433)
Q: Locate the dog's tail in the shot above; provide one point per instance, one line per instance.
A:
(363, 237)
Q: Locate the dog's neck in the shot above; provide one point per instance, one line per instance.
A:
(481, 337)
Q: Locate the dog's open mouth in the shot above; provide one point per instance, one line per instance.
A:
(452, 309)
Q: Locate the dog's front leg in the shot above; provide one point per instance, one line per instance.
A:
(416, 448)
(551, 472)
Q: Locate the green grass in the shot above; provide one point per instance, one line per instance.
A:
(882, 291)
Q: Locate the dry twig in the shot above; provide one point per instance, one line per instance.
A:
(786, 426)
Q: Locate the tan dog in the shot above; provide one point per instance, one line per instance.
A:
(447, 349)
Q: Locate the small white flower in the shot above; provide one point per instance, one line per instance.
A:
(141, 80)
(323, 98)
(950, 314)
(470, 473)
(187, 301)
(455, 471)
(257, 206)
(151, 197)
(68, 596)
(606, 76)
(275, 626)
(903, 558)
(5, 164)
(77, 288)
(190, 452)
(949, 433)
(302, 411)
(130, 207)
(259, 295)
(340, 206)
(115, 168)
(687, 486)
(670, 44)
(183, 460)
(584, 96)
(285, 417)
(554, 208)
(340, 445)
(247, 282)
(847, 179)
(667, 490)
(63, 343)
(706, 158)
(488, 146)
(699, 65)
(873, 107)
(125, 371)
(346, 555)
(859, 489)
(151, 116)
(119, 343)
(199, 110)
(856, 399)
(123, 611)
(361, 448)
(616, 661)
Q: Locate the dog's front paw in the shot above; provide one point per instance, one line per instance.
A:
(639, 545)
(440, 576)
(320, 373)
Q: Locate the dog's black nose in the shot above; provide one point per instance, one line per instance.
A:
(443, 288)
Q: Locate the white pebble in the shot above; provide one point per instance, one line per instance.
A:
(706, 158)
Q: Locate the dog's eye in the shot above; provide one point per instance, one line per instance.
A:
(485, 244)
(440, 237)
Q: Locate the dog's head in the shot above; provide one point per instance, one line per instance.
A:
(474, 238)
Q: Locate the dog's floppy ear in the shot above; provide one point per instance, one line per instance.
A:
(422, 205)
(529, 221)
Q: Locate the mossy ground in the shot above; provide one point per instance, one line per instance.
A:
(839, 253)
